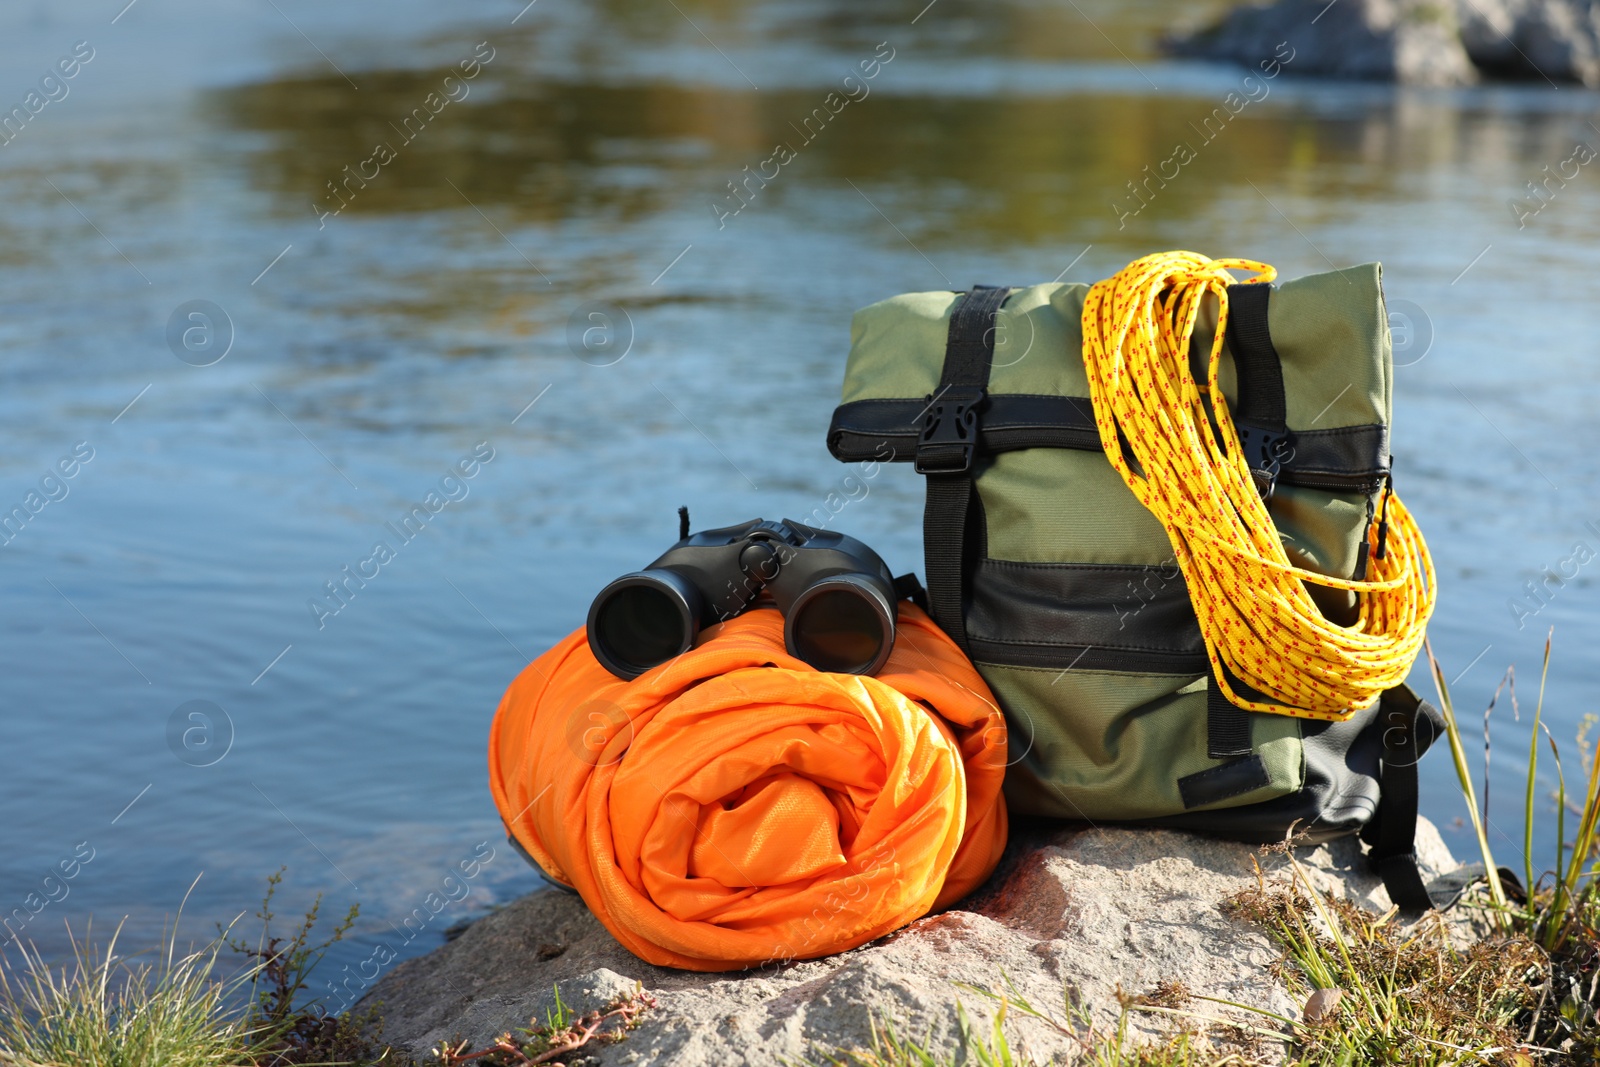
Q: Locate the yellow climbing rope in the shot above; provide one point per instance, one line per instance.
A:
(1256, 614)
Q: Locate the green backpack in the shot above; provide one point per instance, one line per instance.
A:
(1064, 589)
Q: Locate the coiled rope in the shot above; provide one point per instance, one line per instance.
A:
(1256, 614)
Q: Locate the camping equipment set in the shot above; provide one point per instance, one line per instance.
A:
(1160, 536)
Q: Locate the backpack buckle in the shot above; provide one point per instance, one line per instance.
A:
(949, 432)
(1265, 452)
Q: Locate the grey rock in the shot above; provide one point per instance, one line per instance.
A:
(1487, 29)
(1083, 912)
(1414, 42)
(1555, 39)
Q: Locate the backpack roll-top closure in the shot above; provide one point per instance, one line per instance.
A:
(1344, 448)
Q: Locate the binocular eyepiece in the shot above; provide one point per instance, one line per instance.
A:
(837, 596)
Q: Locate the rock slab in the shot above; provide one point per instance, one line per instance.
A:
(1554, 40)
(1084, 912)
(1413, 42)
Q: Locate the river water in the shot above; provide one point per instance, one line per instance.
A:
(354, 347)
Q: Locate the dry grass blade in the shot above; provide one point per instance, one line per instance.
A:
(1497, 893)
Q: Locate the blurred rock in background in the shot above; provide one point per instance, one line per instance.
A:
(1414, 42)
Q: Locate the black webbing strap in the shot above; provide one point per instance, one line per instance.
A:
(1227, 724)
(1261, 413)
(907, 587)
(1255, 357)
(1392, 833)
(945, 452)
(944, 525)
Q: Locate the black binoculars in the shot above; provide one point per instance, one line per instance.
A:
(837, 597)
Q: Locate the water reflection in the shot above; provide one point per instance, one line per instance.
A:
(1032, 169)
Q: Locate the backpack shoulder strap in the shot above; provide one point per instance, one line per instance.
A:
(1391, 836)
(946, 449)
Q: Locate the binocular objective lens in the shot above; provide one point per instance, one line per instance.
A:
(838, 630)
(641, 626)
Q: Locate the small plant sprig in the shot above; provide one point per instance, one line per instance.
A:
(286, 963)
(563, 1031)
(290, 1029)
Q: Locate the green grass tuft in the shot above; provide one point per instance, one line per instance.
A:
(177, 1011)
(1379, 992)
(108, 1011)
(181, 1008)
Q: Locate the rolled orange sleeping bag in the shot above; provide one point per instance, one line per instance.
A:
(736, 806)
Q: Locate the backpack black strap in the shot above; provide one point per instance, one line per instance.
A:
(907, 587)
(1227, 724)
(1260, 415)
(1261, 412)
(946, 450)
(1391, 836)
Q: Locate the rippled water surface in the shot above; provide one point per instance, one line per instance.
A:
(379, 334)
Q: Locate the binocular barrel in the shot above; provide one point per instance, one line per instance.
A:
(644, 619)
(836, 594)
(842, 623)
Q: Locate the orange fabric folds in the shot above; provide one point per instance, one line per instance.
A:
(736, 806)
